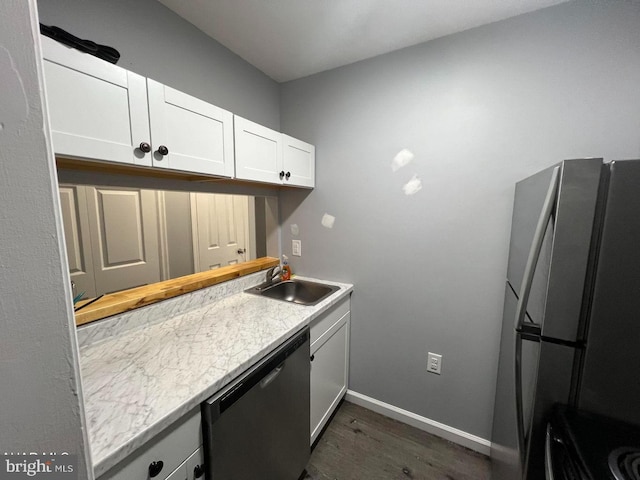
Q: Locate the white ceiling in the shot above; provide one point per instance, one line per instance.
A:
(289, 39)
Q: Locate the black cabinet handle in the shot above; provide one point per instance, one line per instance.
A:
(162, 150)
(155, 468)
(281, 174)
(145, 147)
(313, 357)
(288, 174)
(198, 471)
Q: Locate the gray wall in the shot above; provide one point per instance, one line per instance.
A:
(39, 373)
(155, 42)
(480, 110)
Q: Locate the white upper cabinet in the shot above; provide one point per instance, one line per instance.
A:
(188, 133)
(264, 155)
(97, 110)
(100, 111)
(258, 152)
(299, 162)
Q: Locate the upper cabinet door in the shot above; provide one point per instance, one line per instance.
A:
(258, 152)
(189, 134)
(97, 110)
(299, 162)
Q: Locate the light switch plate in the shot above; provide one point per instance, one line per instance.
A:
(296, 248)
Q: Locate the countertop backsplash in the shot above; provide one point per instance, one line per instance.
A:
(141, 317)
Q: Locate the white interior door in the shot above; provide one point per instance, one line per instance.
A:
(75, 220)
(220, 230)
(198, 136)
(124, 237)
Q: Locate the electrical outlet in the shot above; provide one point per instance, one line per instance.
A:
(434, 363)
(296, 248)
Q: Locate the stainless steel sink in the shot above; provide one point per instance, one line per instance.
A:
(301, 292)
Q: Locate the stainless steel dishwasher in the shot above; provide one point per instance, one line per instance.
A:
(258, 427)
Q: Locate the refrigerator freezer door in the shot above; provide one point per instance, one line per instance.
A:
(557, 290)
(611, 376)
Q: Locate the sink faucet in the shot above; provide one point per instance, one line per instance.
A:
(272, 273)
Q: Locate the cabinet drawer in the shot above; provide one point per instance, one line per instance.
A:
(323, 323)
(171, 447)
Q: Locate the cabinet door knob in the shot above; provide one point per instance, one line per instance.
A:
(162, 150)
(313, 357)
(241, 251)
(281, 174)
(155, 468)
(198, 471)
(288, 174)
(145, 147)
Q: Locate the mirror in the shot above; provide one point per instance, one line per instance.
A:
(122, 237)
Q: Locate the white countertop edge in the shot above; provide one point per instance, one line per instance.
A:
(104, 463)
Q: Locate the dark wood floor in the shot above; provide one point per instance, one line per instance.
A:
(360, 444)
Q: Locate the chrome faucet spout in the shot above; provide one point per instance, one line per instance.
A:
(272, 273)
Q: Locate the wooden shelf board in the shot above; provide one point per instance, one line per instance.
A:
(126, 300)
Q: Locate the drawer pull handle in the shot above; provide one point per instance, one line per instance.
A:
(155, 468)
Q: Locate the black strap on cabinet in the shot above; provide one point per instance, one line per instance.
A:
(87, 46)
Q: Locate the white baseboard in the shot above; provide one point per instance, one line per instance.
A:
(441, 430)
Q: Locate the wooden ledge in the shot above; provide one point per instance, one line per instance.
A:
(126, 300)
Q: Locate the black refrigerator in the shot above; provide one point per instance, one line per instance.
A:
(571, 319)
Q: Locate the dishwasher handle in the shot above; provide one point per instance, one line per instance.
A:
(264, 383)
(263, 373)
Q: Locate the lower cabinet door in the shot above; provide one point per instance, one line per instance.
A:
(329, 375)
(179, 473)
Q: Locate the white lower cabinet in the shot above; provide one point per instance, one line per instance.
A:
(171, 455)
(329, 364)
(191, 469)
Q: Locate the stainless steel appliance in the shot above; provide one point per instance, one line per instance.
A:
(258, 427)
(581, 445)
(571, 327)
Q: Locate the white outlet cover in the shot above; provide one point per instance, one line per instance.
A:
(434, 363)
(296, 248)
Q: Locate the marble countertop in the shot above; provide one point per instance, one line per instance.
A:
(138, 383)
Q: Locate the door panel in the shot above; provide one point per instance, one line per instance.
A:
(221, 226)
(558, 285)
(529, 198)
(124, 237)
(258, 152)
(75, 221)
(505, 456)
(610, 383)
(554, 376)
(198, 135)
(97, 110)
(328, 376)
(299, 159)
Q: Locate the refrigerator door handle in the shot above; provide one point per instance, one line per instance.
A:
(536, 247)
(519, 404)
